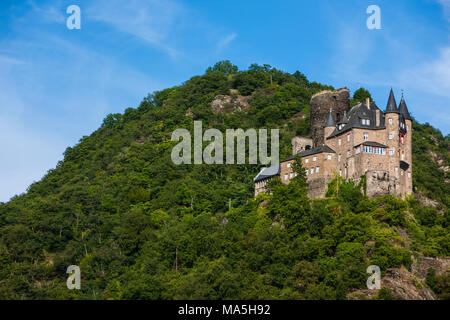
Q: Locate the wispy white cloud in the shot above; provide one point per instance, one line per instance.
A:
(5, 60)
(446, 6)
(225, 41)
(48, 13)
(432, 76)
(150, 21)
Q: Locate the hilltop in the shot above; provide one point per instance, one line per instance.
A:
(141, 227)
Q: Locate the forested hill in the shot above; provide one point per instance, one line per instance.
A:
(141, 227)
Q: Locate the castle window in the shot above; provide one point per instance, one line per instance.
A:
(339, 158)
(291, 175)
(307, 171)
(401, 172)
(329, 157)
(368, 163)
(306, 160)
(358, 150)
(366, 136)
(391, 152)
(339, 141)
(391, 136)
(348, 138)
(402, 140)
(409, 175)
(340, 173)
(348, 154)
(314, 158)
(286, 177)
(390, 120)
(407, 127)
(288, 165)
(312, 170)
(317, 169)
(396, 170)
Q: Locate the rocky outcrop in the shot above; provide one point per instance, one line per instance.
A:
(406, 285)
(403, 285)
(377, 183)
(425, 201)
(230, 103)
(421, 265)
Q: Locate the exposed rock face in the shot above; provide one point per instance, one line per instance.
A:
(230, 103)
(421, 266)
(377, 183)
(338, 101)
(427, 202)
(407, 285)
(402, 284)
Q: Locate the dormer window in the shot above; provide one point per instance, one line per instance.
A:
(365, 122)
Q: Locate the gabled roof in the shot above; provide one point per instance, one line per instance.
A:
(268, 172)
(403, 109)
(372, 144)
(310, 152)
(391, 105)
(358, 112)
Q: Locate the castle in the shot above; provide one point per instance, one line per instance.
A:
(356, 142)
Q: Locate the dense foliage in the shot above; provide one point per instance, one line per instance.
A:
(141, 227)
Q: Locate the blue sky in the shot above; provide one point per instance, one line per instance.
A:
(57, 85)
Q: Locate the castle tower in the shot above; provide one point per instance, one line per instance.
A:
(338, 101)
(393, 141)
(406, 147)
(329, 125)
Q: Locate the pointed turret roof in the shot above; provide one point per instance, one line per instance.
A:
(344, 118)
(330, 121)
(391, 105)
(403, 109)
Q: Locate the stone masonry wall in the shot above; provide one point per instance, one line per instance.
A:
(338, 101)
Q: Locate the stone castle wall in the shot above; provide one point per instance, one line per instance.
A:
(321, 103)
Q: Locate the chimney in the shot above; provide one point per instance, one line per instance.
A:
(368, 103)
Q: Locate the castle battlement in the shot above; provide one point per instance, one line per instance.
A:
(352, 142)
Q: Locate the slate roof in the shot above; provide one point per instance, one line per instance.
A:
(372, 144)
(403, 109)
(391, 105)
(268, 172)
(356, 114)
(330, 121)
(310, 152)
